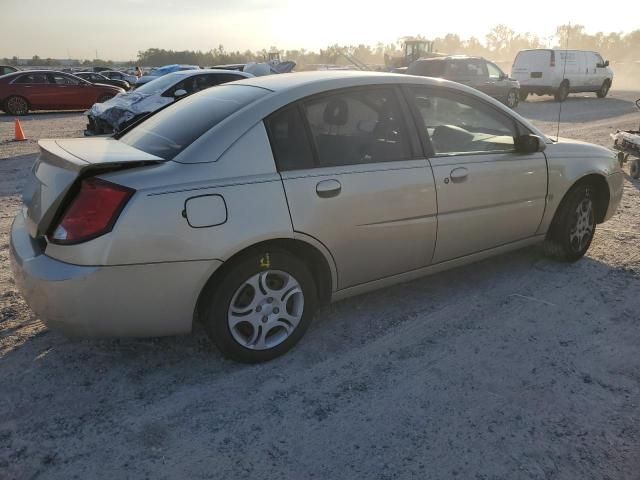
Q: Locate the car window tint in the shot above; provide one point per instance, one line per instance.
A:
(467, 69)
(289, 142)
(494, 72)
(456, 124)
(358, 126)
(174, 128)
(60, 79)
(427, 68)
(33, 78)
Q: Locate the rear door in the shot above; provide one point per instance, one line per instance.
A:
(355, 181)
(37, 88)
(488, 195)
(533, 67)
(470, 71)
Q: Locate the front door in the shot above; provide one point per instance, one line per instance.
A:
(488, 195)
(70, 91)
(355, 181)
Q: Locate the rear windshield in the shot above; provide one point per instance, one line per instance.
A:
(174, 128)
(160, 84)
(427, 68)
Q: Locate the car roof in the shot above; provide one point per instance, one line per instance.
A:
(189, 73)
(450, 57)
(331, 79)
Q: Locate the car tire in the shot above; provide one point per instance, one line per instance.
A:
(16, 105)
(634, 169)
(104, 98)
(260, 307)
(523, 96)
(512, 98)
(573, 226)
(563, 92)
(604, 89)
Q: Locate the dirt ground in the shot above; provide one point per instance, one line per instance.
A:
(517, 367)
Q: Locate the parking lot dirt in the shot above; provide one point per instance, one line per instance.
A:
(517, 367)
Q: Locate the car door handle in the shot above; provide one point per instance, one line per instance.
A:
(328, 188)
(459, 174)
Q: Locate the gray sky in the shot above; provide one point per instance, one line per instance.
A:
(118, 29)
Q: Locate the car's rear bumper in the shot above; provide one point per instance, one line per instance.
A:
(128, 300)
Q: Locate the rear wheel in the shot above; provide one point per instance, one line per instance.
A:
(563, 92)
(261, 307)
(573, 226)
(523, 96)
(16, 106)
(604, 89)
(512, 98)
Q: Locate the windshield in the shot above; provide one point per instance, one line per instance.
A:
(160, 84)
(174, 128)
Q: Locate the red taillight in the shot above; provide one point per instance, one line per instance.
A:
(92, 212)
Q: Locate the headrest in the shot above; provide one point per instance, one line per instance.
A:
(336, 111)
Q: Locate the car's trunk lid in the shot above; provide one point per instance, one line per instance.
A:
(61, 163)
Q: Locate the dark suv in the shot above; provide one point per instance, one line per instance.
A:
(475, 72)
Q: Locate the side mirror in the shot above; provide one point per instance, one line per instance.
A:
(179, 93)
(503, 76)
(606, 63)
(529, 144)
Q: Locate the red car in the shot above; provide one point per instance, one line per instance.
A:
(49, 90)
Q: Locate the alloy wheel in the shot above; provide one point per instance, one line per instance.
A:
(265, 310)
(582, 231)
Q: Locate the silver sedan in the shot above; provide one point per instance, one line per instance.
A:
(248, 205)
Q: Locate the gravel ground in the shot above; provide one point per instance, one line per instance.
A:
(515, 367)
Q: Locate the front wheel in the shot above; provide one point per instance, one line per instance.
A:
(512, 98)
(634, 169)
(573, 226)
(604, 89)
(261, 307)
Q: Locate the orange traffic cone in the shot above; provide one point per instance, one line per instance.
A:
(19, 135)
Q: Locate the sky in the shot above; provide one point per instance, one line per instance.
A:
(118, 29)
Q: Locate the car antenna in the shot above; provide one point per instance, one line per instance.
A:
(564, 73)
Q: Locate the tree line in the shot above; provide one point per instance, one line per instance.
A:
(501, 43)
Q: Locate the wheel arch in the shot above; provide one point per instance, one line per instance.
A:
(316, 256)
(602, 195)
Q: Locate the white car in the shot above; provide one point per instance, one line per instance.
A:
(559, 72)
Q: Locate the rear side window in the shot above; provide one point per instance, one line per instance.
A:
(171, 130)
(33, 78)
(60, 79)
(289, 142)
(427, 68)
(357, 127)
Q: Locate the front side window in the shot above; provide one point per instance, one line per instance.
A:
(494, 72)
(357, 127)
(457, 124)
(60, 79)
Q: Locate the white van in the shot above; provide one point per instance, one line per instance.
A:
(545, 72)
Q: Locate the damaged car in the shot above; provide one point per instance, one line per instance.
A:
(125, 109)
